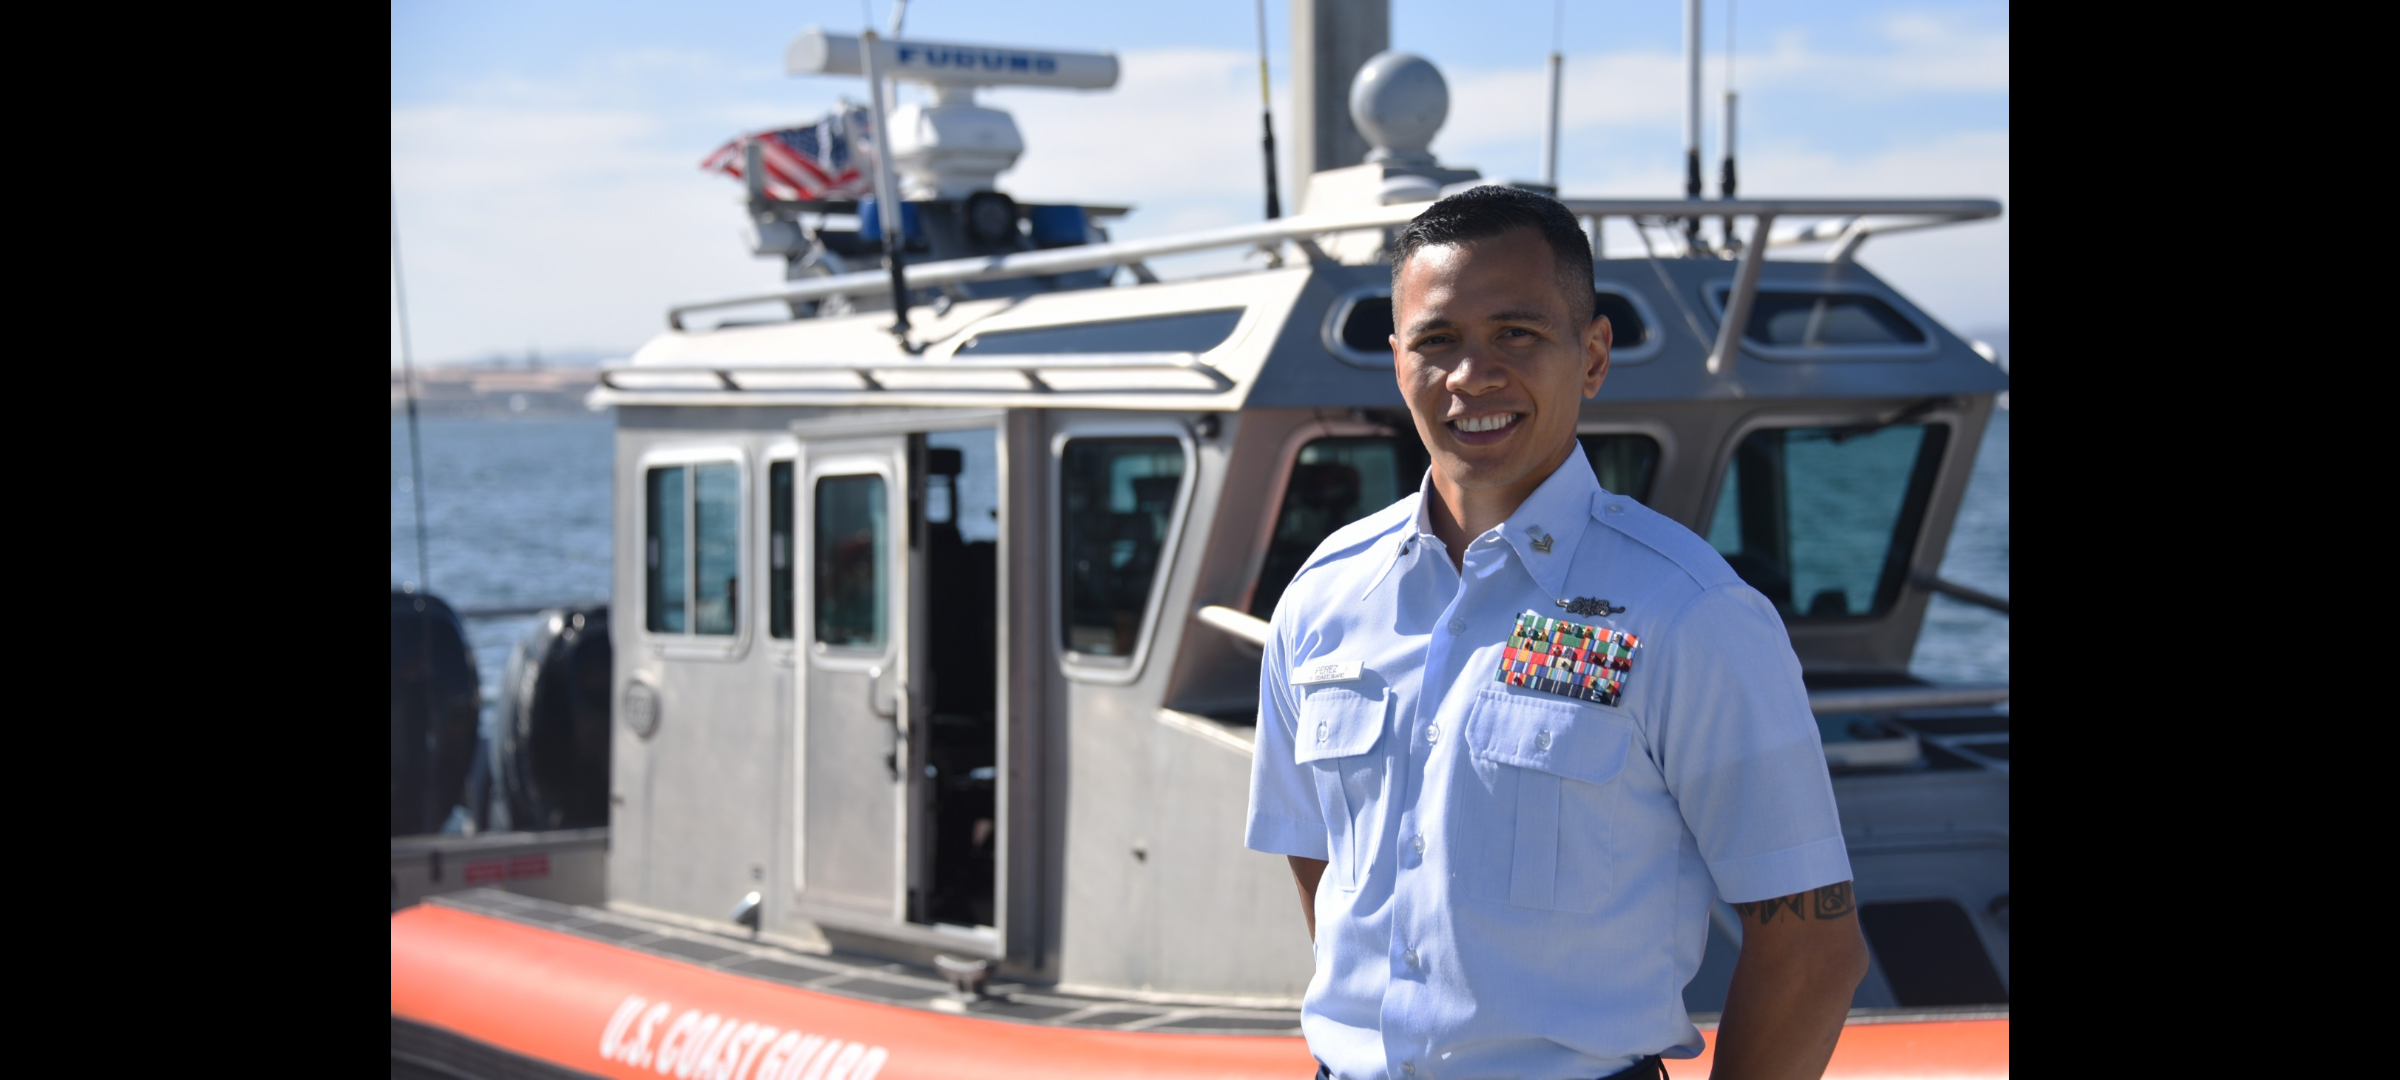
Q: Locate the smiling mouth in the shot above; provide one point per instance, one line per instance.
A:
(1479, 425)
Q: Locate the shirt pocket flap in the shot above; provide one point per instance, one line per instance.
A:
(1338, 721)
(1558, 738)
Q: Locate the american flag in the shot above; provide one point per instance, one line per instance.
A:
(815, 161)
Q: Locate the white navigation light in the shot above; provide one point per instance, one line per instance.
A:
(816, 52)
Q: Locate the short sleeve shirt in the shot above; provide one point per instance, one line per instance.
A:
(1519, 876)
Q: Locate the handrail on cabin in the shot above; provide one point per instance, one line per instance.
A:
(1094, 256)
(1026, 365)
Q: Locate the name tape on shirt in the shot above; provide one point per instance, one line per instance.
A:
(1328, 671)
(1587, 663)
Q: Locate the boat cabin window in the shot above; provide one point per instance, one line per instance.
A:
(853, 552)
(1339, 479)
(693, 542)
(1117, 498)
(779, 550)
(1334, 481)
(1798, 320)
(1366, 328)
(1623, 462)
(1822, 520)
(1188, 331)
(1625, 326)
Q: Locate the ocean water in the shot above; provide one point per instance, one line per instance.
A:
(517, 513)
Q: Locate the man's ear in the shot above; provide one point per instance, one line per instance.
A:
(1596, 343)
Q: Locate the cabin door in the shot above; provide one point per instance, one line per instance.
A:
(858, 606)
(900, 717)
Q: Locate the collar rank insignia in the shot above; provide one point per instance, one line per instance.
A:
(1587, 663)
(1584, 605)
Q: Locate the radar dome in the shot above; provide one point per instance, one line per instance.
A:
(1398, 102)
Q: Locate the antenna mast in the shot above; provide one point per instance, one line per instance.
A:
(1266, 114)
(1725, 183)
(408, 382)
(1558, 30)
(887, 190)
(1691, 118)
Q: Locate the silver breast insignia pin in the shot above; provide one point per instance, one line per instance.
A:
(1585, 605)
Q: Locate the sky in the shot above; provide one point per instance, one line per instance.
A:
(545, 156)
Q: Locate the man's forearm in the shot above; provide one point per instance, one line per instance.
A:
(1801, 960)
(1307, 872)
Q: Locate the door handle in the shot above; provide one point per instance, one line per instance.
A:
(897, 716)
(874, 705)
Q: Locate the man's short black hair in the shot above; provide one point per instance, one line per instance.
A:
(1481, 213)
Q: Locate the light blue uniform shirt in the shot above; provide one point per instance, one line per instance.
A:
(1519, 882)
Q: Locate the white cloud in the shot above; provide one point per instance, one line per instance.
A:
(1646, 88)
(570, 213)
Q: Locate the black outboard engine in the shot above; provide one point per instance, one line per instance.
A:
(434, 705)
(551, 756)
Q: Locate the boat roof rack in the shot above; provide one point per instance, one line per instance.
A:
(1028, 367)
(1851, 215)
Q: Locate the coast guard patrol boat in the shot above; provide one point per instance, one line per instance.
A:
(937, 624)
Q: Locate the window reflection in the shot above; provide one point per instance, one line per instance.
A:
(1117, 499)
(1623, 463)
(664, 575)
(1339, 479)
(852, 531)
(716, 540)
(1334, 482)
(779, 550)
(1821, 520)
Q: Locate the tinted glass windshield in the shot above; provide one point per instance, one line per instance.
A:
(1339, 479)
(1825, 320)
(716, 540)
(779, 549)
(664, 570)
(852, 540)
(1118, 498)
(1821, 520)
(1333, 482)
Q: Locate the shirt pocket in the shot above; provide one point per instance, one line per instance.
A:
(1340, 729)
(1545, 812)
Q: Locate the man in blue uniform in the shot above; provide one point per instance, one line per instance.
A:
(1516, 733)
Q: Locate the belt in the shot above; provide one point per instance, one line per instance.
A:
(1649, 1068)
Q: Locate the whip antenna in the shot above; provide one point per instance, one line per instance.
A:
(887, 188)
(1266, 113)
(1725, 182)
(1558, 31)
(408, 381)
(427, 804)
(1691, 120)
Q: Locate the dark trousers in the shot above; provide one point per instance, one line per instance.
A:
(1649, 1068)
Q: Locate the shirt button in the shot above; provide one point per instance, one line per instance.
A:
(1409, 1067)
(1410, 956)
(1322, 732)
(1542, 741)
(1616, 508)
(1458, 626)
(1433, 732)
(1418, 843)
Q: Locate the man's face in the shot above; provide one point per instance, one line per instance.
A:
(1492, 360)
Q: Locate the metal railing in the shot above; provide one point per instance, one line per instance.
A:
(1027, 366)
(1301, 228)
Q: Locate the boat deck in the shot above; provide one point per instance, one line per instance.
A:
(867, 978)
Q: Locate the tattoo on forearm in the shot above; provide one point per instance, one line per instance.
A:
(1826, 904)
